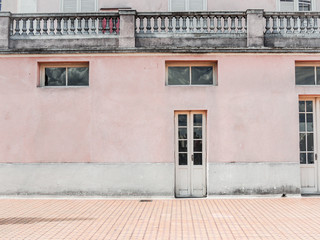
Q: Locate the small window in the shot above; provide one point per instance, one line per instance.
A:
(296, 5)
(79, 5)
(191, 74)
(287, 5)
(187, 5)
(64, 75)
(0, 5)
(304, 5)
(307, 75)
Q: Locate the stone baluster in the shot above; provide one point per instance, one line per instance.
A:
(191, 25)
(184, 24)
(86, 25)
(212, 27)
(268, 28)
(100, 19)
(226, 24)
(205, 24)
(233, 25)
(288, 18)
(198, 24)
(309, 25)
(17, 28)
(155, 24)
(148, 24)
(93, 25)
(281, 24)
(239, 28)
(45, 26)
(31, 28)
(219, 27)
(51, 26)
(163, 25)
(79, 25)
(108, 25)
(72, 26)
(170, 27)
(275, 25)
(245, 24)
(38, 27)
(315, 24)
(11, 27)
(302, 25)
(177, 27)
(59, 26)
(295, 24)
(24, 26)
(141, 28)
(65, 26)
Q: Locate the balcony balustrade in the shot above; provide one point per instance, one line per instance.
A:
(164, 31)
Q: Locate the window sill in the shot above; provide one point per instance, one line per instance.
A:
(61, 87)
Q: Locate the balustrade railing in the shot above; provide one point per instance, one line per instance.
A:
(64, 24)
(292, 23)
(191, 22)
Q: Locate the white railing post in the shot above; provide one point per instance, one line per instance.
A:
(255, 28)
(4, 29)
(127, 28)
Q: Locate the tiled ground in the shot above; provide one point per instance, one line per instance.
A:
(255, 218)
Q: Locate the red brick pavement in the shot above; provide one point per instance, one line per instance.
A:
(250, 218)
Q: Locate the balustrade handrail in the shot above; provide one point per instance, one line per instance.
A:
(203, 13)
(57, 15)
(270, 14)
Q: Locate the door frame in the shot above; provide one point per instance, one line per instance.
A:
(190, 146)
(316, 142)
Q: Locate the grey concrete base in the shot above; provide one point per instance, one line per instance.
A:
(140, 179)
(253, 178)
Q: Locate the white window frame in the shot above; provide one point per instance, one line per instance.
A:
(296, 5)
(205, 5)
(213, 64)
(43, 66)
(79, 6)
(308, 64)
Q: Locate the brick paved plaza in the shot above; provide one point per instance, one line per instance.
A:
(235, 218)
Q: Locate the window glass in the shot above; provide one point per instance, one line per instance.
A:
(202, 75)
(305, 76)
(187, 5)
(78, 76)
(79, 5)
(0, 5)
(304, 5)
(178, 75)
(55, 77)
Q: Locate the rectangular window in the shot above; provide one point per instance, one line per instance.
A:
(287, 5)
(64, 74)
(183, 73)
(304, 5)
(27, 6)
(187, 5)
(296, 5)
(79, 5)
(0, 5)
(307, 75)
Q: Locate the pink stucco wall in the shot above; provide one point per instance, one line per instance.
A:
(127, 112)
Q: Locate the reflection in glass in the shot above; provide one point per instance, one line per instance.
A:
(302, 142)
(183, 159)
(305, 76)
(302, 124)
(303, 159)
(182, 133)
(197, 133)
(197, 119)
(310, 142)
(178, 76)
(197, 159)
(309, 106)
(202, 75)
(302, 106)
(197, 145)
(78, 76)
(183, 146)
(55, 77)
(310, 158)
(182, 120)
(309, 122)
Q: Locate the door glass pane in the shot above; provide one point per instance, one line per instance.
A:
(302, 124)
(183, 146)
(310, 158)
(309, 106)
(303, 159)
(309, 122)
(197, 159)
(202, 75)
(302, 106)
(305, 76)
(183, 159)
(178, 75)
(78, 76)
(302, 142)
(182, 133)
(197, 133)
(197, 119)
(182, 120)
(197, 145)
(310, 142)
(55, 77)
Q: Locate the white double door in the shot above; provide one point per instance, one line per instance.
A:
(190, 154)
(309, 137)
